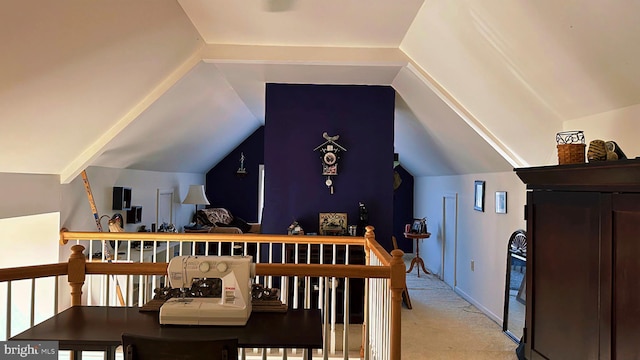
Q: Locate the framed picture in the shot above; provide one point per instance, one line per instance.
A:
(419, 226)
(478, 203)
(501, 202)
(333, 224)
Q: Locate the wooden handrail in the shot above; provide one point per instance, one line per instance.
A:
(378, 250)
(328, 270)
(66, 235)
(262, 269)
(33, 272)
(120, 268)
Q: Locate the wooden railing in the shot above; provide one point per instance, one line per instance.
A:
(384, 276)
(380, 300)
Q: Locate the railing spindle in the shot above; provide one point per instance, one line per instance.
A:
(8, 330)
(270, 278)
(307, 282)
(346, 311)
(296, 260)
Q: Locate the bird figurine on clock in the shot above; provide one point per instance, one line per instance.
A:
(330, 155)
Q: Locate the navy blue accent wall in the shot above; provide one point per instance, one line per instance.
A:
(238, 194)
(296, 117)
(403, 209)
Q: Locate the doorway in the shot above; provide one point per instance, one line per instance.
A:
(449, 238)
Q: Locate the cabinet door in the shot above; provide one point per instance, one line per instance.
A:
(626, 287)
(563, 275)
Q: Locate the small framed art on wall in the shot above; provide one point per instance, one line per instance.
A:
(479, 195)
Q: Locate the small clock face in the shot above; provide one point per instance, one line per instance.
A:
(329, 158)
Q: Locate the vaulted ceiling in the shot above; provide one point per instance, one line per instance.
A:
(174, 86)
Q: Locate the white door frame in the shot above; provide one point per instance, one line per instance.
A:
(260, 191)
(450, 196)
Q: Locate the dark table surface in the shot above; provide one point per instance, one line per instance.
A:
(101, 327)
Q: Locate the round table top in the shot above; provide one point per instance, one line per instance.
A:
(417, 235)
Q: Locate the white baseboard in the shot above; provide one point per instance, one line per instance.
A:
(490, 315)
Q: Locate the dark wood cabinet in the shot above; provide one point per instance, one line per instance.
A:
(626, 289)
(583, 234)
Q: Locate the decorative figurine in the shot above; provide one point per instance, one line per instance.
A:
(363, 219)
(597, 151)
(241, 170)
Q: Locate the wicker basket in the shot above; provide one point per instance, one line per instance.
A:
(570, 153)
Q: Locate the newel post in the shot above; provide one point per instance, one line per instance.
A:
(368, 236)
(76, 273)
(397, 283)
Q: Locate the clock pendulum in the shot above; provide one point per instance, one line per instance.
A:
(329, 184)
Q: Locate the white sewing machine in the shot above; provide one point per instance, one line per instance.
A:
(233, 307)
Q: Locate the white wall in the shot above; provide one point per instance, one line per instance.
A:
(29, 244)
(482, 236)
(28, 194)
(76, 214)
(28, 240)
(34, 194)
(620, 125)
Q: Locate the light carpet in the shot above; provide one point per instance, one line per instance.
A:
(442, 325)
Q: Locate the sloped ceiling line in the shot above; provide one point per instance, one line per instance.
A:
(94, 150)
(474, 123)
(221, 53)
(439, 142)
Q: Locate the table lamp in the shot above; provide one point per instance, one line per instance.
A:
(196, 196)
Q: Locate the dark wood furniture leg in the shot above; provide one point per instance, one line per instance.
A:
(417, 261)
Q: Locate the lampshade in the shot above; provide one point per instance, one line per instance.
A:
(196, 196)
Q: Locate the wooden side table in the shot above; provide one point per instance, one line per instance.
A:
(417, 261)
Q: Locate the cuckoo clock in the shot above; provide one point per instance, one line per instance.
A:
(330, 155)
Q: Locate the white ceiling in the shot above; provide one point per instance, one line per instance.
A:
(332, 23)
(174, 86)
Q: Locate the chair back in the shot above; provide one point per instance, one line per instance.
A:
(139, 347)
